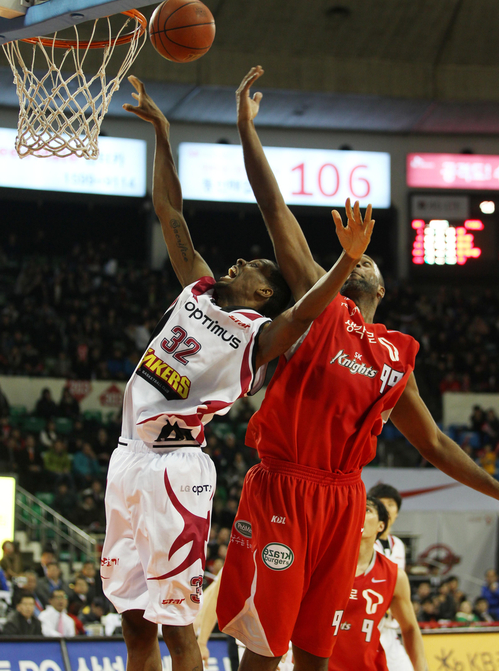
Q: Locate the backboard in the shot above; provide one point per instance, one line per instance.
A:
(54, 15)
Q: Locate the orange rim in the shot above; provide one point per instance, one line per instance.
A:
(100, 44)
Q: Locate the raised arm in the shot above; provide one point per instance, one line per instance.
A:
(403, 611)
(285, 330)
(292, 252)
(413, 419)
(167, 193)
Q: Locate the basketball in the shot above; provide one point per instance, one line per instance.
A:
(182, 30)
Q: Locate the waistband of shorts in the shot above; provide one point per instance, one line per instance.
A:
(309, 473)
(139, 446)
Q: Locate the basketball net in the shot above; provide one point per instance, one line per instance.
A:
(61, 112)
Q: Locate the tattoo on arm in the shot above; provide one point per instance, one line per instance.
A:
(176, 225)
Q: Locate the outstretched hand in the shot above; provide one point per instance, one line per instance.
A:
(247, 107)
(146, 108)
(356, 235)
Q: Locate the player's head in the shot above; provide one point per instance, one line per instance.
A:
(390, 497)
(365, 280)
(376, 520)
(258, 284)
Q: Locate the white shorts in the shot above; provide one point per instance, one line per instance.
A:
(158, 511)
(397, 658)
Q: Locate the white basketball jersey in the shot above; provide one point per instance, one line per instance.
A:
(201, 359)
(395, 550)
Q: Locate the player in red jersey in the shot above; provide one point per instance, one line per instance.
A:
(379, 585)
(295, 541)
(204, 354)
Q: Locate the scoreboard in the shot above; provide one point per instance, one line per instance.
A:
(438, 242)
(454, 236)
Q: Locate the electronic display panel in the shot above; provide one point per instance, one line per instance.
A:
(453, 236)
(318, 177)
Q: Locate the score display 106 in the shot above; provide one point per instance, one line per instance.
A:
(437, 242)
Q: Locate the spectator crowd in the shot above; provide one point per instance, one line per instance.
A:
(38, 601)
(440, 601)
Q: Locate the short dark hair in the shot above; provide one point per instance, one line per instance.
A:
(382, 491)
(24, 594)
(382, 513)
(281, 296)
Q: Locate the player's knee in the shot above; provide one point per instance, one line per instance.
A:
(136, 629)
(305, 661)
(179, 639)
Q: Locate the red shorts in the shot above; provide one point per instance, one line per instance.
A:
(292, 557)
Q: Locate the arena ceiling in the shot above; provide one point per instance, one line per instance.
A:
(421, 66)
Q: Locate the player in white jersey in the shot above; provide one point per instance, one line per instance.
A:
(204, 354)
(392, 547)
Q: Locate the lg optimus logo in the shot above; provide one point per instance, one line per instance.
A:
(197, 489)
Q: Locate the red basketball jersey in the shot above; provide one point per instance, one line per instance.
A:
(358, 645)
(332, 392)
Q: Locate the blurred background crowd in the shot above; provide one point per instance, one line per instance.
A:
(90, 316)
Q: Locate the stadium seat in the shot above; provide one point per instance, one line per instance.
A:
(92, 416)
(241, 431)
(33, 424)
(221, 429)
(46, 497)
(63, 425)
(16, 414)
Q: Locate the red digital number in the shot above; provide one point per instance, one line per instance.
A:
(337, 175)
(301, 170)
(359, 179)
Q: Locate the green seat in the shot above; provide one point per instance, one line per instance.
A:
(46, 497)
(241, 431)
(17, 414)
(221, 429)
(92, 416)
(63, 425)
(18, 410)
(33, 424)
(110, 416)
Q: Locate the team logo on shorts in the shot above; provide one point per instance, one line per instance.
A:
(277, 556)
(243, 528)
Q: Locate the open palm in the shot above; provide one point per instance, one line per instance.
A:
(356, 235)
(247, 107)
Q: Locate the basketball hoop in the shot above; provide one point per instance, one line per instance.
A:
(61, 111)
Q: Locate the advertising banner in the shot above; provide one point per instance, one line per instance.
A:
(104, 395)
(31, 656)
(327, 177)
(453, 171)
(97, 655)
(120, 169)
(459, 544)
(462, 651)
(7, 508)
(458, 406)
(429, 489)
(85, 654)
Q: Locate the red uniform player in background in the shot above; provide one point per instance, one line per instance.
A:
(294, 545)
(379, 585)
